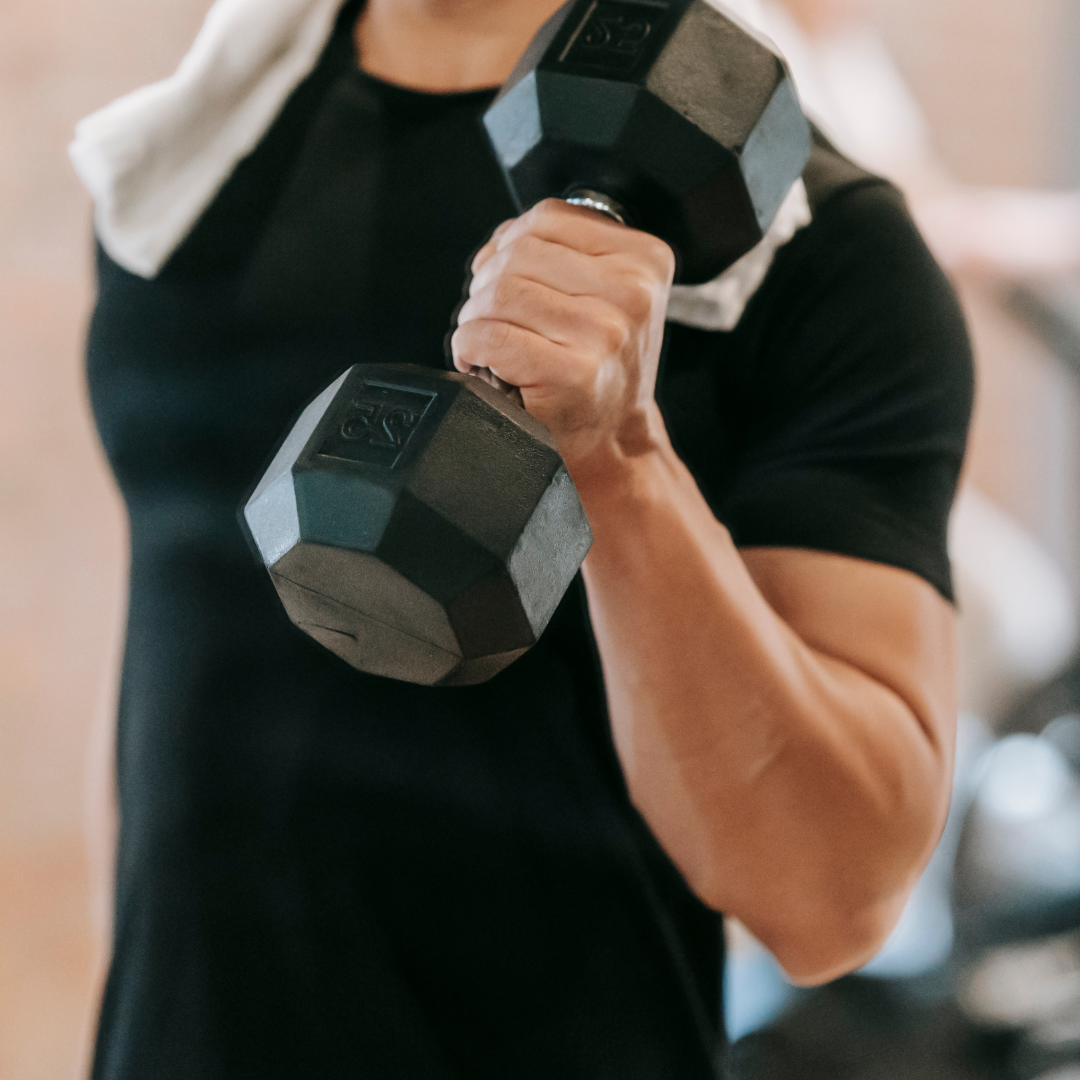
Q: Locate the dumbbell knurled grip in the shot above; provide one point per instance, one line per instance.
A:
(597, 200)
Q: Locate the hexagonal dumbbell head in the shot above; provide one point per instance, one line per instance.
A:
(419, 524)
(671, 108)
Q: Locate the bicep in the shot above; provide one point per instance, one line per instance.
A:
(889, 624)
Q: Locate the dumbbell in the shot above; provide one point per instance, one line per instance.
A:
(420, 524)
(672, 117)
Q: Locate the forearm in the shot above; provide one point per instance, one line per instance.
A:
(796, 791)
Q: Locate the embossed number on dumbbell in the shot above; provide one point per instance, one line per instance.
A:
(615, 32)
(612, 34)
(377, 425)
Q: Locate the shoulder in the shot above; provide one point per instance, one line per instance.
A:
(860, 226)
(856, 287)
(834, 416)
(856, 298)
(861, 237)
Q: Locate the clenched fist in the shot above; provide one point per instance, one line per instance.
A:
(569, 307)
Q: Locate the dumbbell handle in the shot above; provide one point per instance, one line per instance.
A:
(597, 200)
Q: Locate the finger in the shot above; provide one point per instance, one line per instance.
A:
(623, 281)
(587, 231)
(489, 249)
(586, 323)
(547, 263)
(488, 376)
(515, 355)
(575, 227)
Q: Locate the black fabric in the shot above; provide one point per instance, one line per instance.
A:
(828, 172)
(844, 393)
(327, 874)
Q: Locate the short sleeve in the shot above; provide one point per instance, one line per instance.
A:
(834, 417)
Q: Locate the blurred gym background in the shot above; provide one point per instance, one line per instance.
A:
(974, 107)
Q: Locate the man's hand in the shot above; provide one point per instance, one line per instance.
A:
(569, 307)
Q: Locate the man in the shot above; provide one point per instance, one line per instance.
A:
(326, 873)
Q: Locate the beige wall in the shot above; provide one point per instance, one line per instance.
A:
(998, 81)
(62, 536)
(989, 75)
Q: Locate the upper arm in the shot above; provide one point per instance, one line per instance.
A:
(845, 479)
(887, 623)
(834, 418)
(827, 434)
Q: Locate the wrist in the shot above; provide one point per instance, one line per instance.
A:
(629, 467)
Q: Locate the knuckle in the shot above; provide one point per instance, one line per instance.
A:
(656, 255)
(638, 302)
(547, 214)
(663, 257)
(522, 253)
(550, 206)
(614, 335)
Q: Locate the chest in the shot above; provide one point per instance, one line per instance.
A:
(342, 239)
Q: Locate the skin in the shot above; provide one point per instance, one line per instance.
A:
(785, 718)
(818, 16)
(447, 45)
(983, 233)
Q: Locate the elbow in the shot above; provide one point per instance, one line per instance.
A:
(838, 946)
(828, 929)
(816, 947)
(824, 908)
(845, 915)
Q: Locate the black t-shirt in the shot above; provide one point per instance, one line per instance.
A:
(323, 873)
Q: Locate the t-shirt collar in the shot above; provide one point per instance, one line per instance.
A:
(154, 160)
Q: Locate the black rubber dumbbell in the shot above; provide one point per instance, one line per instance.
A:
(419, 523)
(673, 116)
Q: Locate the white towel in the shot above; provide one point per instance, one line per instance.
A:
(154, 159)
(719, 304)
